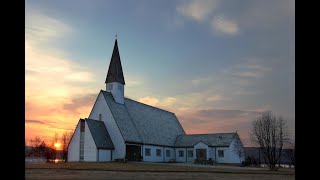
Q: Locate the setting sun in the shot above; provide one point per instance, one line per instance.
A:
(57, 145)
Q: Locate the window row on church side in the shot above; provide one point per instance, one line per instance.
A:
(147, 152)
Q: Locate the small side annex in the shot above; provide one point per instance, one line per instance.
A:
(90, 142)
(218, 147)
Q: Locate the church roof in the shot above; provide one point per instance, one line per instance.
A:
(115, 73)
(217, 139)
(141, 123)
(100, 134)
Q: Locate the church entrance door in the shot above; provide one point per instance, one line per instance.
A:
(201, 154)
(133, 153)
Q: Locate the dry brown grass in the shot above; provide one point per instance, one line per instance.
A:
(63, 174)
(145, 167)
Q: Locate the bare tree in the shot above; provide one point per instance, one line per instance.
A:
(238, 148)
(35, 144)
(65, 139)
(55, 138)
(270, 134)
(39, 148)
(52, 147)
(291, 153)
(43, 149)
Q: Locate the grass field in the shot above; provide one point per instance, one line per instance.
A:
(113, 170)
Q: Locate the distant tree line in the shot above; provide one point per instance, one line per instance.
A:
(40, 149)
(254, 157)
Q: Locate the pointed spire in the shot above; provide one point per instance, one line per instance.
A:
(115, 73)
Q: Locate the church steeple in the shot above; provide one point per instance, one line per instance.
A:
(115, 80)
(115, 73)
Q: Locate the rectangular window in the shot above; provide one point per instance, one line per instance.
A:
(82, 128)
(181, 153)
(82, 125)
(190, 153)
(81, 136)
(81, 155)
(81, 146)
(168, 153)
(147, 152)
(158, 151)
(220, 153)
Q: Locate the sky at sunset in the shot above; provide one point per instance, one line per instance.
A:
(216, 64)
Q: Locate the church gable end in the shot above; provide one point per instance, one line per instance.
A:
(74, 144)
(101, 110)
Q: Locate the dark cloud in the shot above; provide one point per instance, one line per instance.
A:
(81, 101)
(34, 121)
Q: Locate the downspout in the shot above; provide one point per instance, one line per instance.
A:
(186, 155)
(98, 155)
(141, 153)
(259, 157)
(215, 154)
(163, 154)
(125, 155)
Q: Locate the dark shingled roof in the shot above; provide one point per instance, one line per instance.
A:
(115, 73)
(123, 120)
(217, 139)
(100, 134)
(145, 124)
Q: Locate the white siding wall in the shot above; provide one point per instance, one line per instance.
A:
(224, 159)
(212, 153)
(153, 157)
(201, 145)
(172, 154)
(230, 156)
(233, 155)
(90, 149)
(104, 155)
(73, 149)
(181, 159)
(102, 107)
(191, 159)
(117, 91)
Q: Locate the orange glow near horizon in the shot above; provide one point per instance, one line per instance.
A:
(57, 145)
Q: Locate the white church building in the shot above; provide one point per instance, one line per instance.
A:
(122, 128)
